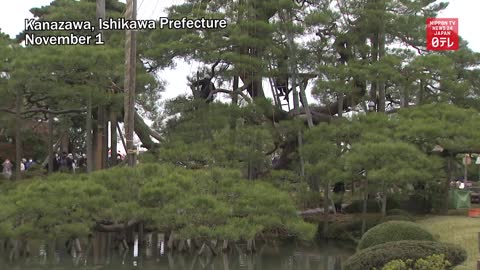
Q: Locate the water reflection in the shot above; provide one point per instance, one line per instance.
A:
(101, 255)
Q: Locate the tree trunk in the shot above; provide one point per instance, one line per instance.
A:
(144, 133)
(122, 139)
(364, 208)
(113, 137)
(326, 212)
(171, 239)
(18, 133)
(374, 85)
(99, 138)
(141, 239)
(332, 203)
(130, 83)
(446, 201)
(225, 245)
(381, 83)
(303, 98)
(404, 96)
(340, 104)
(235, 86)
(50, 143)
(420, 93)
(65, 143)
(88, 130)
(105, 149)
(276, 98)
(77, 245)
(251, 245)
(155, 244)
(384, 199)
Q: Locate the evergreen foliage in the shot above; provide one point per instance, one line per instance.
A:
(393, 231)
(208, 148)
(433, 262)
(379, 255)
(200, 204)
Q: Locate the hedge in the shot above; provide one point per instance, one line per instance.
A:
(393, 231)
(379, 255)
(349, 230)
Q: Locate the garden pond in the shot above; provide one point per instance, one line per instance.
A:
(102, 256)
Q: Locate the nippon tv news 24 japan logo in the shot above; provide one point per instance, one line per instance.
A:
(442, 34)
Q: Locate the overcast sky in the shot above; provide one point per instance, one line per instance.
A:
(13, 14)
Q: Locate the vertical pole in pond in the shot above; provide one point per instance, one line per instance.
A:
(130, 77)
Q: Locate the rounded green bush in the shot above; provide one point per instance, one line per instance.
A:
(349, 230)
(391, 231)
(379, 255)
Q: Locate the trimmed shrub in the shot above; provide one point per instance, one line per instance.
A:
(434, 262)
(379, 255)
(393, 231)
(350, 231)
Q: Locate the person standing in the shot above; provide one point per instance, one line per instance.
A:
(7, 168)
(62, 163)
(70, 163)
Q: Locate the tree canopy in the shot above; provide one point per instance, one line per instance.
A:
(234, 158)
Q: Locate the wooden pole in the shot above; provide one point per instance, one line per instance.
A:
(130, 80)
(100, 149)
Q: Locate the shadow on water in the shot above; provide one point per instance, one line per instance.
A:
(103, 254)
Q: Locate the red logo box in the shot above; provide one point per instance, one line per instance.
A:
(442, 34)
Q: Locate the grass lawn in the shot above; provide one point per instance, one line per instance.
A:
(461, 230)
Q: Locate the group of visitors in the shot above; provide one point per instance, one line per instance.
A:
(61, 163)
(74, 162)
(65, 162)
(7, 166)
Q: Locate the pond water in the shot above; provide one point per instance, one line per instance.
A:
(291, 256)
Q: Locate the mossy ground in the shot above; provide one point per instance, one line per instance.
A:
(461, 230)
